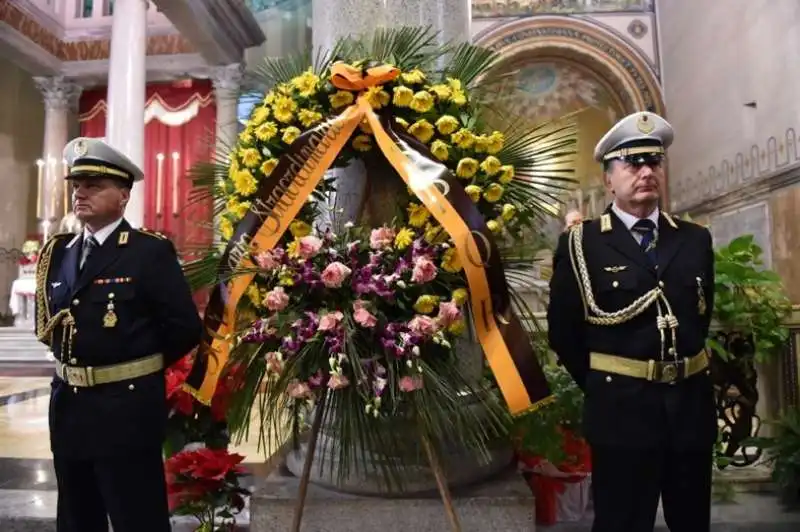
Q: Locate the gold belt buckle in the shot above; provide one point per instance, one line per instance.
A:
(79, 376)
(669, 372)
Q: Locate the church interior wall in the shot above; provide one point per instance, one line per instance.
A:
(731, 90)
(21, 139)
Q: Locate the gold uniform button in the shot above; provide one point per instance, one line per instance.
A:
(608, 378)
(73, 360)
(131, 387)
(76, 302)
(661, 284)
(615, 284)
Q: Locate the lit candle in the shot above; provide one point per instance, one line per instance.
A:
(175, 158)
(40, 172)
(51, 178)
(159, 183)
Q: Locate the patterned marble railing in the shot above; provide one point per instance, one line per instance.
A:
(516, 8)
(257, 6)
(745, 167)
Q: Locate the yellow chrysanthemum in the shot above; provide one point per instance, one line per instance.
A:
(422, 129)
(426, 304)
(299, 229)
(266, 131)
(496, 142)
(283, 109)
(269, 98)
(244, 183)
(225, 228)
(341, 98)
(435, 234)
(269, 165)
(463, 138)
(454, 83)
(377, 97)
(308, 118)
(259, 115)
(441, 91)
(254, 295)
(413, 77)
(440, 150)
(402, 96)
(474, 193)
(491, 165)
(417, 215)
(246, 136)
(306, 83)
(467, 168)
(493, 192)
(237, 209)
(481, 144)
(506, 174)
(362, 143)
(457, 328)
(401, 122)
(451, 261)
(250, 157)
(494, 226)
(293, 249)
(422, 102)
(509, 211)
(404, 238)
(460, 296)
(458, 97)
(290, 134)
(286, 278)
(447, 124)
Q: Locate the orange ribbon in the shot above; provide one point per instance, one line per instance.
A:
(318, 156)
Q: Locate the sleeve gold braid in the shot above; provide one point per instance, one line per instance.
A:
(597, 316)
(42, 273)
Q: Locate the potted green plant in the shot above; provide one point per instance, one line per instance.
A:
(783, 453)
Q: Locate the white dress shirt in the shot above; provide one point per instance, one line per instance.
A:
(629, 220)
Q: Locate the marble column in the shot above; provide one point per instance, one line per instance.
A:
(60, 100)
(126, 92)
(227, 81)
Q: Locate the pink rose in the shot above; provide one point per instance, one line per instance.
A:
(409, 384)
(330, 321)
(424, 270)
(334, 274)
(277, 299)
(364, 318)
(298, 390)
(423, 325)
(381, 238)
(449, 313)
(338, 381)
(267, 260)
(309, 246)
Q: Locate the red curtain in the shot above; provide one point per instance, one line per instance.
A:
(190, 139)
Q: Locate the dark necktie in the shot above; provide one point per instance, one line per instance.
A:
(647, 230)
(89, 245)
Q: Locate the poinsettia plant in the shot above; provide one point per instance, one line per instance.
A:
(204, 483)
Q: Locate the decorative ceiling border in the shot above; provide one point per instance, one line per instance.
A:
(88, 50)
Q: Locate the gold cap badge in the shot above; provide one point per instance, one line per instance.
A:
(81, 148)
(645, 126)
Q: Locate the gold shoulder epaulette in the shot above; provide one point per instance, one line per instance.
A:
(670, 220)
(154, 234)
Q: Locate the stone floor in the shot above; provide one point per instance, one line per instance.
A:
(27, 482)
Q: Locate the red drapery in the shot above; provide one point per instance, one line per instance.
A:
(179, 132)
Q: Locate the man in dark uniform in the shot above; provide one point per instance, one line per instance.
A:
(115, 309)
(631, 298)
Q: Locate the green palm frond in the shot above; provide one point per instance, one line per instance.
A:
(404, 47)
(469, 63)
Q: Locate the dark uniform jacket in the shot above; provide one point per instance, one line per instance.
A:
(621, 410)
(155, 313)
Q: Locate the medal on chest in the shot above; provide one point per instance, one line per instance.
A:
(110, 318)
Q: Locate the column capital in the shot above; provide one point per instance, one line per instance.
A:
(227, 79)
(58, 92)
